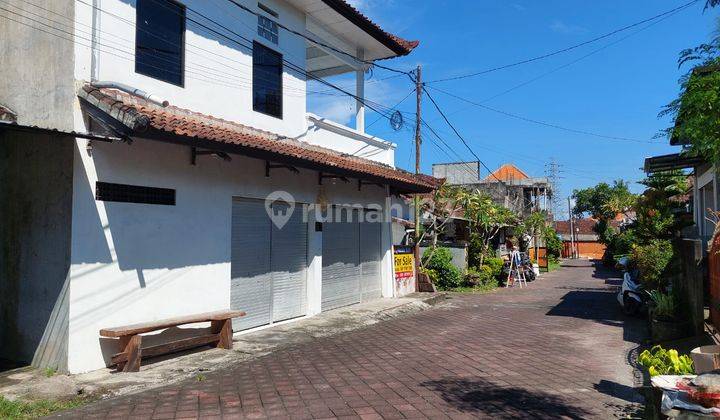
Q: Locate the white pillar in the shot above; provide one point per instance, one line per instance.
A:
(360, 93)
(314, 270)
(387, 275)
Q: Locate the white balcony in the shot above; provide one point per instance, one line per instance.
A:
(329, 134)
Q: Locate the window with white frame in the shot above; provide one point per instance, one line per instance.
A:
(267, 28)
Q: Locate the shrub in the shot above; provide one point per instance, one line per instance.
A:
(495, 264)
(666, 362)
(663, 305)
(651, 260)
(482, 278)
(553, 244)
(446, 275)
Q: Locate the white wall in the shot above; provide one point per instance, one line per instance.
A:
(218, 72)
(326, 133)
(136, 262)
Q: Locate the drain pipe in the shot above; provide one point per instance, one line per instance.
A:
(132, 91)
(94, 52)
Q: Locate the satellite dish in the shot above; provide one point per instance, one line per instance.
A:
(396, 121)
(369, 73)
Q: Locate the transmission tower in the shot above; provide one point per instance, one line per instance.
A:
(552, 172)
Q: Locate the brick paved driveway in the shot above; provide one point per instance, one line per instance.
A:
(556, 349)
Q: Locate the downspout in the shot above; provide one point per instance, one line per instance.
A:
(94, 52)
(132, 91)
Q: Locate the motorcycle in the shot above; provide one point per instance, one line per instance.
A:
(633, 298)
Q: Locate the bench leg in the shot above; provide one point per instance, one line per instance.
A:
(224, 329)
(131, 345)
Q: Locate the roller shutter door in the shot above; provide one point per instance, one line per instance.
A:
(268, 265)
(340, 263)
(351, 262)
(289, 266)
(251, 278)
(370, 259)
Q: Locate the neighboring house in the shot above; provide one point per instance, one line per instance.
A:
(509, 186)
(583, 238)
(119, 208)
(702, 199)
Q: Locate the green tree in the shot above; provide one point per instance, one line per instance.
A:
(604, 201)
(694, 112)
(486, 219)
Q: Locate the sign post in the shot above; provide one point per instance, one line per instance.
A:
(404, 269)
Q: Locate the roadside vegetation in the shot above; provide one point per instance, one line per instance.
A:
(12, 410)
(486, 220)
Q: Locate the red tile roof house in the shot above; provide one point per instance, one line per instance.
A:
(586, 240)
(143, 145)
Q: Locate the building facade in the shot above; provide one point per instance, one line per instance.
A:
(159, 161)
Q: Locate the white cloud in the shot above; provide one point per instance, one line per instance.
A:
(519, 7)
(341, 109)
(564, 28)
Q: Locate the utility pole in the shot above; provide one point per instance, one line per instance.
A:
(418, 142)
(572, 230)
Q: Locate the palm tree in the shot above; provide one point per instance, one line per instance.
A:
(712, 3)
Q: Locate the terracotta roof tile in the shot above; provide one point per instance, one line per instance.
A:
(507, 172)
(399, 45)
(142, 116)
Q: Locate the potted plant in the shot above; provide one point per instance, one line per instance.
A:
(665, 324)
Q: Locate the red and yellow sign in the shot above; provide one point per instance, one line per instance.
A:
(404, 262)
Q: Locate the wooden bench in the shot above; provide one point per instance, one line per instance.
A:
(130, 340)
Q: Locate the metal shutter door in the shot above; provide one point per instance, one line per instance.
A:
(370, 256)
(340, 263)
(250, 284)
(289, 265)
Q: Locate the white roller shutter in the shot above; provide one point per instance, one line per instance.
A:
(340, 263)
(289, 266)
(250, 284)
(370, 257)
(268, 264)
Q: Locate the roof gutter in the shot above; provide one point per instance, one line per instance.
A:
(132, 91)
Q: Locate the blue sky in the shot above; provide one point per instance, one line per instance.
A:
(616, 91)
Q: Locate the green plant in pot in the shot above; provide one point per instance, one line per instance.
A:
(665, 324)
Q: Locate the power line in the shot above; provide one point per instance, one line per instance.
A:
(551, 125)
(518, 86)
(393, 108)
(322, 44)
(564, 50)
(437, 107)
(209, 80)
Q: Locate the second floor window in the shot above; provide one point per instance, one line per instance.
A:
(267, 80)
(159, 40)
(268, 29)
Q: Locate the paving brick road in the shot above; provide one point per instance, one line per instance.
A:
(556, 349)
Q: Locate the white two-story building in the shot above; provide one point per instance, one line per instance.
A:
(157, 160)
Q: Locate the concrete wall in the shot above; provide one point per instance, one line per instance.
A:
(137, 262)
(325, 133)
(459, 255)
(218, 71)
(36, 68)
(35, 210)
(457, 173)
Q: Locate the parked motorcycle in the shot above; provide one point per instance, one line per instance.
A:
(633, 298)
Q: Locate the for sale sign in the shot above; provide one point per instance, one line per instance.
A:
(404, 261)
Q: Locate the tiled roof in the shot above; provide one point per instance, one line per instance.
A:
(507, 172)
(181, 125)
(399, 45)
(582, 226)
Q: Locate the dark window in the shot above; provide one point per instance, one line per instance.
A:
(106, 191)
(159, 40)
(267, 80)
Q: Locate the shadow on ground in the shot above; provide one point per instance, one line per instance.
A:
(483, 397)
